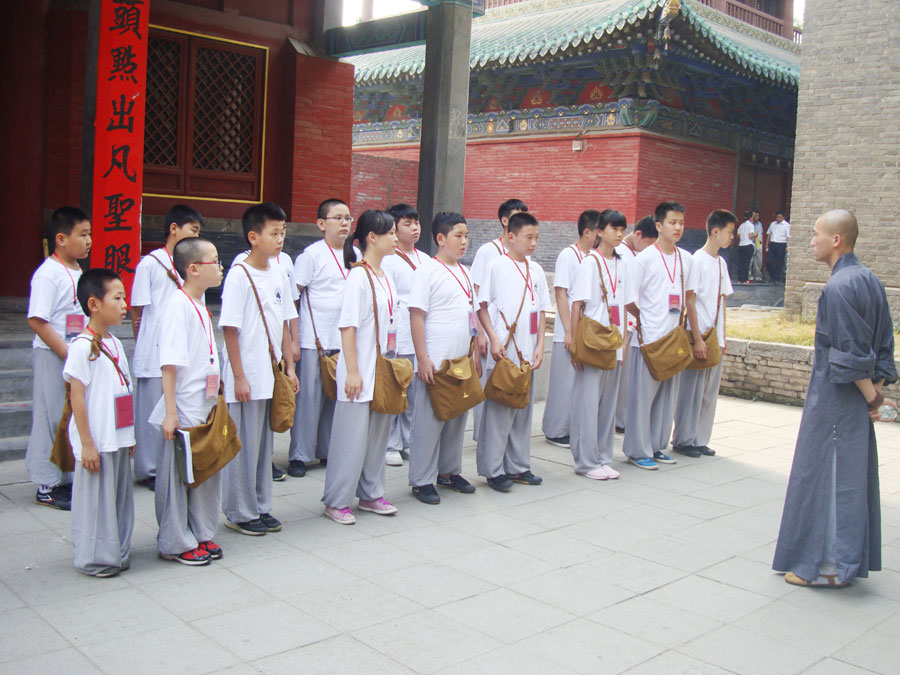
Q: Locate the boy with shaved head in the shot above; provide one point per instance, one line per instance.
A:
(831, 525)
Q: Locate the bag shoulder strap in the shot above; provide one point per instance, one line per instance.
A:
(262, 314)
(405, 257)
(603, 289)
(499, 250)
(169, 273)
(312, 321)
(512, 327)
(97, 349)
(374, 304)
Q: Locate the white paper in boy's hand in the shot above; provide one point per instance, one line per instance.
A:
(188, 457)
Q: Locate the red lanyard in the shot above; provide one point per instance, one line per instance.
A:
(66, 268)
(106, 349)
(500, 239)
(467, 291)
(212, 358)
(529, 286)
(578, 252)
(388, 291)
(340, 267)
(612, 280)
(674, 267)
(174, 271)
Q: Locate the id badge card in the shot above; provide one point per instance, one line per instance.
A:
(74, 325)
(473, 324)
(392, 341)
(674, 303)
(614, 314)
(124, 411)
(533, 324)
(212, 387)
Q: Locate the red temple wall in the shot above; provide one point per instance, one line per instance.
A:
(379, 181)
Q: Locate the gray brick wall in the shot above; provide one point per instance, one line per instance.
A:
(847, 152)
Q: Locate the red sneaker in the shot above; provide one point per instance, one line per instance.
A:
(196, 557)
(212, 548)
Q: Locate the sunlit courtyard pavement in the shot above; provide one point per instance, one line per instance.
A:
(658, 572)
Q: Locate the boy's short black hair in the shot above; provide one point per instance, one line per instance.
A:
(663, 210)
(63, 221)
(186, 252)
(256, 217)
(181, 215)
(444, 222)
(325, 207)
(399, 211)
(509, 206)
(780, 213)
(519, 220)
(94, 284)
(588, 220)
(647, 227)
(719, 219)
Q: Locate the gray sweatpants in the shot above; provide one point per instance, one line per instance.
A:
(651, 409)
(311, 433)
(148, 439)
(247, 479)
(504, 439)
(399, 438)
(186, 516)
(695, 408)
(622, 397)
(356, 456)
(558, 410)
(435, 446)
(487, 364)
(593, 404)
(103, 513)
(47, 399)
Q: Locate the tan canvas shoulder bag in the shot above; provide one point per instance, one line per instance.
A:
(594, 344)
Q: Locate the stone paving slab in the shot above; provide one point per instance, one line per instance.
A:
(658, 572)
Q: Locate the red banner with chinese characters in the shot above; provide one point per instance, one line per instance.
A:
(119, 136)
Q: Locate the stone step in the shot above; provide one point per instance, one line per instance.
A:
(13, 448)
(15, 418)
(15, 385)
(15, 354)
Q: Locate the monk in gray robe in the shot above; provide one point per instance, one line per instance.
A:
(831, 525)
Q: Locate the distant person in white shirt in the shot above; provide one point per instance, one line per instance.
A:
(746, 232)
(779, 233)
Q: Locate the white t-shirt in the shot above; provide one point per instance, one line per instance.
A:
(745, 233)
(484, 256)
(102, 384)
(443, 293)
(239, 310)
(53, 297)
(502, 289)
(627, 256)
(282, 262)
(402, 274)
(705, 282)
(779, 232)
(587, 288)
(152, 289)
(652, 278)
(187, 341)
(356, 312)
(567, 263)
(320, 270)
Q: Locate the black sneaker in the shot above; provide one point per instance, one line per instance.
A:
(297, 468)
(561, 442)
(271, 523)
(706, 450)
(426, 494)
(500, 483)
(457, 483)
(252, 528)
(620, 430)
(58, 497)
(277, 474)
(526, 478)
(687, 450)
(149, 483)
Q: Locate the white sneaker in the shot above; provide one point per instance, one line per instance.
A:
(393, 458)
(597, 474)
(610, 472)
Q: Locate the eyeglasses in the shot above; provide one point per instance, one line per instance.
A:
(346, 219)
(210, 262)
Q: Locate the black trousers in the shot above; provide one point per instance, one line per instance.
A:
(777, 254)
(745, 255)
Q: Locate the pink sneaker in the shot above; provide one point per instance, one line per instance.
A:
(343, 516)
(610, 472)
(597, 474)
(380, 506)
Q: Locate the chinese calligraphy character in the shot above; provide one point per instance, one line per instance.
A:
(120, 112)
(115, 216)
(124, 64)
(117, 258)
(119, 160)
(127, 17)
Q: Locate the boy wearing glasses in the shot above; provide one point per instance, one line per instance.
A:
(319, 276)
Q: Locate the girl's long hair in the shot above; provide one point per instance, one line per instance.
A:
(372, 220)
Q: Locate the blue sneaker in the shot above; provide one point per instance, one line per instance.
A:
(663, 458)
(644, 463)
